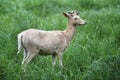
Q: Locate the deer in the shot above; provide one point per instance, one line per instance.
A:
(54, 43)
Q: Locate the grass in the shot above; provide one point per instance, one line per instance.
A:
(93, 54)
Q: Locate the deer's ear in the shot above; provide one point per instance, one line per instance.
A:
(66, 14)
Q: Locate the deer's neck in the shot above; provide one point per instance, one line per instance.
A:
(69, 31)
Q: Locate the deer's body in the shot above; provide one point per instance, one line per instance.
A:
(48, 42)
(43, 42)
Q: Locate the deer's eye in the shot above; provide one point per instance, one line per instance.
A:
(75, 18)
(77, 13)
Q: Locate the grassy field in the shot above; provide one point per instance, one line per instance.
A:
(93, 54)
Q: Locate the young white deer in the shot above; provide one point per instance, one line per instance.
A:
(53, 43)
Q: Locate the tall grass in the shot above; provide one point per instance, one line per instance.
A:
(93, 54)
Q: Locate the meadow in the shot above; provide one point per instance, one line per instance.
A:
(93, 54)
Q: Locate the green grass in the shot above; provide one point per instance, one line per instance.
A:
(93, 54)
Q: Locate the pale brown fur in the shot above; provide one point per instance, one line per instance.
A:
(52, 43)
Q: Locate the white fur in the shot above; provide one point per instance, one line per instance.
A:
(53, 43)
